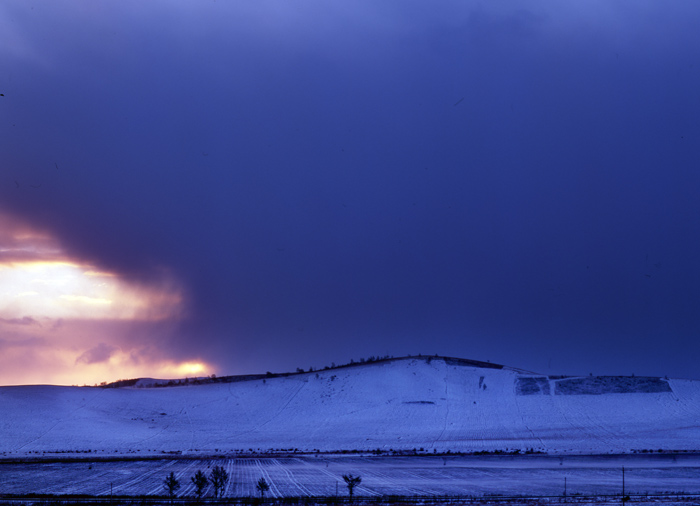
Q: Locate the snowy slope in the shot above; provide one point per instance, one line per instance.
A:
(435, 404)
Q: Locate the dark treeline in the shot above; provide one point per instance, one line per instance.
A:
(251, 377)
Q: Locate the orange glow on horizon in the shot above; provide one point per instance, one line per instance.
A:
(59, 367)
(67, 321)
(192, 368)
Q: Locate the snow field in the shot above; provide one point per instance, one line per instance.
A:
(398, 405)
(408, 476)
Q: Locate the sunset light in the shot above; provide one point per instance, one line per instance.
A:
(76, 321)
(191, 368)
(60, 289)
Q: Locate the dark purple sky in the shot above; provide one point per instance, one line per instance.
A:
(506, 181)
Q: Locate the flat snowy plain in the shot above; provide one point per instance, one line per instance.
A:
(587, 428)
(319, 476)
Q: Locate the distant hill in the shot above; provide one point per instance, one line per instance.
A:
(151, 382)
(426, 404)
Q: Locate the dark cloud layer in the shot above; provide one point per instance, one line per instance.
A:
(100, 353)
(514, 183)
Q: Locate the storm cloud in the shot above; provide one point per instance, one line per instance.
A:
(99, 353)
(325, 181)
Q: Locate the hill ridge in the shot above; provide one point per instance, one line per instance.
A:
(429, 404)
(151, 382)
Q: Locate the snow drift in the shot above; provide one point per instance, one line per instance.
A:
(428, 404)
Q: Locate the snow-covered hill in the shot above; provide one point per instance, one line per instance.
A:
(434, 404)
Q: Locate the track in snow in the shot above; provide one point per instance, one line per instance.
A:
(322, 476)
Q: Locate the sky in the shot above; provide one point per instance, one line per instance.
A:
(232, 187)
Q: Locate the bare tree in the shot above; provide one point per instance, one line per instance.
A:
(218, 479)
(262, 487)
(200, 482)
(351, 482)
(171, 485)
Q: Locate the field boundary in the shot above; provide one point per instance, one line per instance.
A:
(423, 500)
